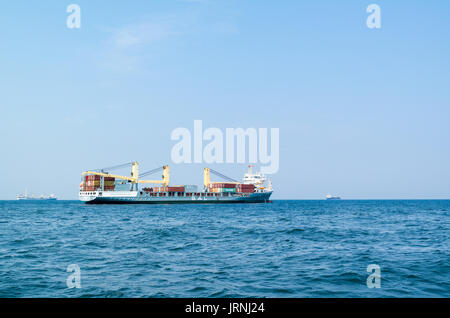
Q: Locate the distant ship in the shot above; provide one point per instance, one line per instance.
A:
(331, 197)
(23, 197)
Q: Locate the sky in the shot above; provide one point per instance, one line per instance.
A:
(362, 113)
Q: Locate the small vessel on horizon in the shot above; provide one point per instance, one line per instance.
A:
(26, 196)
(331, 197)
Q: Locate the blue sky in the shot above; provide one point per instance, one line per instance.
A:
(362, 113)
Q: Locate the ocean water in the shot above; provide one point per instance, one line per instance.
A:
(283, 249)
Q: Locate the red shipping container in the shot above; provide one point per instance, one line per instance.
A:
(175, 189)
(222, 185)
(246, 188)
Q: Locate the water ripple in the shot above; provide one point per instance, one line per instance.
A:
(284, 249)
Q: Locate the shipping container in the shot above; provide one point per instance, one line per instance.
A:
(222, 185)
(190, 188)
(246, 188)
(175, 189)
(228, 190)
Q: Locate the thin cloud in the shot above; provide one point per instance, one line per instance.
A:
(129, 45)
(144, 34)
(126, 45)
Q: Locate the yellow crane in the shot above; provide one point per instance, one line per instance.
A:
(207, 177)
(134, 178)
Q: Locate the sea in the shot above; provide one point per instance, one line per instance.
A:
(284, 249)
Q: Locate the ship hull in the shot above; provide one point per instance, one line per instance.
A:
(133, 197)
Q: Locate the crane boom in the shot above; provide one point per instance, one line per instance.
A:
(150, 172)
(105, 170)
(108, 175)
(165, 176)
(217, 173)
(207, 177)
(135, 175)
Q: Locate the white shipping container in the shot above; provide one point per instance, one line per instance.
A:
(190, 188)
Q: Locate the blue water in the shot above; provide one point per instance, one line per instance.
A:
(283, 249)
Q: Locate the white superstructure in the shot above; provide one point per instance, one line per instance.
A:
(258, 179)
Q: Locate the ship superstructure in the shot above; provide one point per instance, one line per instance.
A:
(258, 179)
(101, 187)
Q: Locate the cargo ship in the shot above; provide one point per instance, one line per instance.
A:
(101, 187)
(24, 197)
(331, 197)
